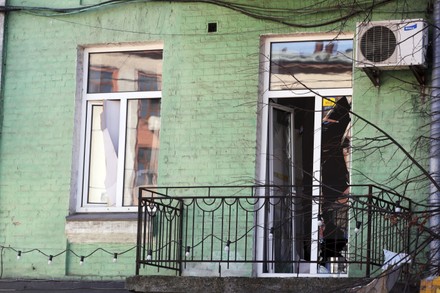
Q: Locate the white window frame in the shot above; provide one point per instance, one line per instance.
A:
(87, 101)
(265, 96)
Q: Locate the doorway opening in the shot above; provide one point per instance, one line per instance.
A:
(307, 169)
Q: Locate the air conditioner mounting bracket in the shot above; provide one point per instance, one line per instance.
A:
(418, 71)
(373, 74)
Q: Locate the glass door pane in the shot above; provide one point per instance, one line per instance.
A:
(291, 169)
(281, 246)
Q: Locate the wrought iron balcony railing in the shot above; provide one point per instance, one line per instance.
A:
(277, 229)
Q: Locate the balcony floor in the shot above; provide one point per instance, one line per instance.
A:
(245, 284)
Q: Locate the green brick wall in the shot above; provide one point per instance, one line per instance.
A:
(209, 115)
(398, 108)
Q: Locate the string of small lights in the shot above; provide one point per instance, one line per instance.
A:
(51, 256)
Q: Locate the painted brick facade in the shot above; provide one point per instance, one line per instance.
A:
(209, 116)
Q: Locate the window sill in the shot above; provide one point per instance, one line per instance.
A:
(101, 228)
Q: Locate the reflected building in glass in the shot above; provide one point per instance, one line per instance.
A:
(311, 64)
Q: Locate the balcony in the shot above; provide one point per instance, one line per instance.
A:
(269, 231)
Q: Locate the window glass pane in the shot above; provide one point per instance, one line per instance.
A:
(142, 146)
(125, 71)
(104, 129)
(311, 64)
(97, 158)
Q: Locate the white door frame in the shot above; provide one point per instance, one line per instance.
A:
(265, 96)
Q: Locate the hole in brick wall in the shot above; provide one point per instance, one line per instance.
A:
(212, 27)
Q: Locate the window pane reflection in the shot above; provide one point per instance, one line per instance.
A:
(311, 64)
(103, 153)
(97, 162)
(142, 146)
(125, 71)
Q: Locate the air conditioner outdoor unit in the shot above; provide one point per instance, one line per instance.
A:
(392, 44)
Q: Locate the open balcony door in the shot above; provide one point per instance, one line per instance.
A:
(281, 246)
(291, 152)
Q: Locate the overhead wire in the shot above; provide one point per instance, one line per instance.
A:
(273, 14)
(282, 15)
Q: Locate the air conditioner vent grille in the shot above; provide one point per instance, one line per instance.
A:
(378, 44)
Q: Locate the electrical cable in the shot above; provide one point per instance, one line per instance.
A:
(253, 11)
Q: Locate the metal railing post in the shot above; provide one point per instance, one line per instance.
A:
(139, 233)
(180, 236)
(408, 229)
(369, 223)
